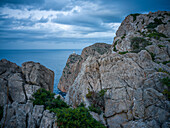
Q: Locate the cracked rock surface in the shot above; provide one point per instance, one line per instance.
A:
(17, 84)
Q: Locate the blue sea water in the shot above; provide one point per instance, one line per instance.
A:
(52, 59)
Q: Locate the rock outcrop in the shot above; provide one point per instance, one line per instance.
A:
(131, 75)
(17, 84)
(75, 61)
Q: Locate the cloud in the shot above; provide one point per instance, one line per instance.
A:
(24, 23)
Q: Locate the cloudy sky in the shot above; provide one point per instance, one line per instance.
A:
(66, 24)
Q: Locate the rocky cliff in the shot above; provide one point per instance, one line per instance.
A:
(134, 77)
(75, 61)
(17, 84)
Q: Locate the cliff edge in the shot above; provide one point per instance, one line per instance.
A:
(130, 85)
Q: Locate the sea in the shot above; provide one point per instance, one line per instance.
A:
(52, 59)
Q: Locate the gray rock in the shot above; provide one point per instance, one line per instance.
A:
(98, 117)
(37, 74)
(47, 120)
(16, 89)
(30, 89)
(117, 120)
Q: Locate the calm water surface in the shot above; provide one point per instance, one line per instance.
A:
(52, 59)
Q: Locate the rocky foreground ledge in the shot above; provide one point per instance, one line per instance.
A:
(17, 84)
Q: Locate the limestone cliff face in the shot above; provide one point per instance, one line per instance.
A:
(134, 92)
(17, 84)
(152, 27)
(75, 61)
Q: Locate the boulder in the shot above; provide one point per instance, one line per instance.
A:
(37, 74)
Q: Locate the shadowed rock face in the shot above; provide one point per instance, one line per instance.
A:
(135, 94)
(17, 84)
(75, 61)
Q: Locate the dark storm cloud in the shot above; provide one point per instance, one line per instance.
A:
(66, 21)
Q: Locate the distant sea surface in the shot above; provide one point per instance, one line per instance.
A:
(52, 59)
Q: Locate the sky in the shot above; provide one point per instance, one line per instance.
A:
(66, 24)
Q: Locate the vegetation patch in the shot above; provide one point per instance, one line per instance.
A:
(95, 109)
(46, 98)
(139, 43)
(161, 70)
(123, 36)
(114, 46)
(165, 62)
(134, 16)
(166, 13)
(160, 46)
(156, 35)
(152, 55)
(121, 53)
(75, 118)
(96, 99)
(154, 24)
(66, 117)
(166, 82)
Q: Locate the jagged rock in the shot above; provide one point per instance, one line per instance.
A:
(96, 50)
(3, 92)
(16, 88)
(152, 27)
(75, 61)
(124, 77)
(70, 72)
(30, 89)
(7, 68)
(98, 117)
(15, 92)
(48, 119)
(117, 120)
(37, 74)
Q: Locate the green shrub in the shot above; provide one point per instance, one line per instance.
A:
(152, 55)
(75, 118)
(166, 81)
(165, 62)
(134, 16)
(160, 46)
(166, 13)
(95, 109)
(102, 92)
(82, 105)
(123, 36)
(156, 35)
(114, 46)
(139, 43)
(154, 24)
(1, 112)
(123, 52)
(66, 117)
(96, 98)
(161, 70)
(46, 98)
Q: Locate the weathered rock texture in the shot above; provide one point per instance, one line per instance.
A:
(134, 96)
(17, 84)
(75, 61)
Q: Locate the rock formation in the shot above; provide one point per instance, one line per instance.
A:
(131, 75)
(17, 84)
(75, 61)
